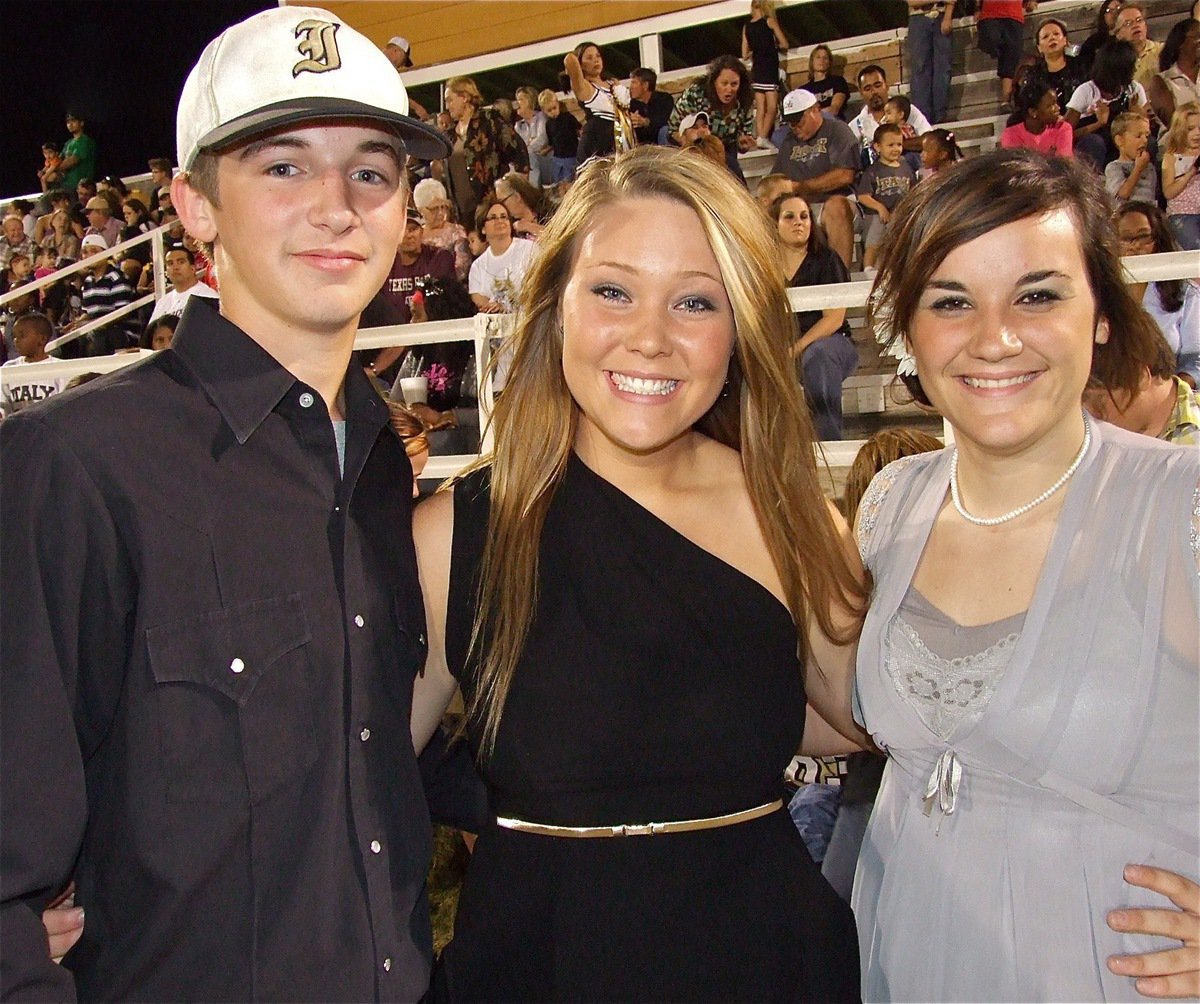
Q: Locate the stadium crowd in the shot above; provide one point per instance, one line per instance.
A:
(1127, 104)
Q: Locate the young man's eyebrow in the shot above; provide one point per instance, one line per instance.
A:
(253, 149)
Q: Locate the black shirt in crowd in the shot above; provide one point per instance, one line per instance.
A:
(563, 132)
(821, 266)
(209, 641)
(658, 109)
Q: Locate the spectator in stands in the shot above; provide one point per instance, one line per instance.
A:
(399, 53)
(584, 68)
(1131, 27)
(485, 147)
(824, 353)
(160, 177)
(504, 108)
(1001, 28)
(159, 333)
(896, 112)
(24, 209)
(881, 186)
(180, 265)
(1173, 303)
(563, 130)
(50, 174)
(1036, 121)
(821, 156)
(54, 230)
(692, 128)
(111, 183)
(1181, 175)
(526, 205)
(762, 38)
(13, 241)
(649, 108)
(1164, 406)
(726, 95)
(137, 222)
(1098, 101)
(1106, 18)
(1178, 81)
(105, 290)
(85, 190)
(101, 220)
(770, 187)
(1061, 71)
(873, 86)
(939, 150)
(31, 333)
(164, 208)
(19, 272)
(497, 274)
(831, 90)
(929, 45)
(1132, 175)
(531, 127)
(429, 196)
(78, 155)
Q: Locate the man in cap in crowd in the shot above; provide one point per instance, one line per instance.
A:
(399, 53)
(820, 154)
(692, 127)
(205, 684)
(101, 220)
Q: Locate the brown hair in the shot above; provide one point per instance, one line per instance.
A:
(875, 454)
(762, 416)
(466, 87)
(985, 193)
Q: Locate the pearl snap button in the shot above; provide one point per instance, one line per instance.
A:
(237, 665)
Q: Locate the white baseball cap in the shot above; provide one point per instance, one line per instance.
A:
(796, 103)
(93, 241)
(400, 42)
(288, 65)
(688, 121)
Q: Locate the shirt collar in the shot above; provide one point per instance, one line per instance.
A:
(243, 380)
(1186, 412)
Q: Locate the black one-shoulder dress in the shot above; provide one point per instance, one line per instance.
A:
(658, 683)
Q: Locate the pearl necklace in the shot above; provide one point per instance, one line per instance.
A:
(1020, 510)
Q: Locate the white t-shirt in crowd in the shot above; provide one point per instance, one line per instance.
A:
(27, 386)
(1087, 95)
(863, 125)
(173, 301)
(499, 277)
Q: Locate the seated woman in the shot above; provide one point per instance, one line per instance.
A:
(825, 354)
(726, 95)
(831, 89)
(1029, 661)
(1055, 64)
(528, 206)
(1106, 21)
(628, 552)
(441, 231)
(1036, 122)
(1096, 102)
(1179, 62)
(1173, 303)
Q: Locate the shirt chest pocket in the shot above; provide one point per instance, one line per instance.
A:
(234, 701)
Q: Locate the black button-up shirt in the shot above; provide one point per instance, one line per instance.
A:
(209, 640)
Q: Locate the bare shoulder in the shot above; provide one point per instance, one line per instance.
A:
(433, 521)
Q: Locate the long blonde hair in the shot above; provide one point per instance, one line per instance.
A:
(763, 415)
(1176, 138)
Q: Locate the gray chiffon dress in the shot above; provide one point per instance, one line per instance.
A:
(1031, 759)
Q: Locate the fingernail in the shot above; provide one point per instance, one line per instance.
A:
(1118, 963)
(1118, 918)
(78, 914)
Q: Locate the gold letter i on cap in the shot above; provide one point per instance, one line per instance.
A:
(318, 41)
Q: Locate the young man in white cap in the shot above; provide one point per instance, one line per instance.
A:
(820, 154)
(212, 618)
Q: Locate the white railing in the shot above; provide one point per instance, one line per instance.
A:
(156, 238)
(483, 329)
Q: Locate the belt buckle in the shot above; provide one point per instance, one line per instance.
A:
(634, 830)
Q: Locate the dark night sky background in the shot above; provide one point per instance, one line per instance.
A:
(120, 63)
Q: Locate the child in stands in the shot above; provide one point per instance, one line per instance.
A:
(1132, 175)
(1037, 121)
(1181, 175)
(30, 334)
(562, 129)
(938, 152)
(882, 185)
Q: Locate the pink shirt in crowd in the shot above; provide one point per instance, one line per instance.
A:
(1055, 139)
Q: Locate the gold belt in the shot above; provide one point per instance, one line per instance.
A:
(641, 829)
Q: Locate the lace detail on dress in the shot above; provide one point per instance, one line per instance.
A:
(872, 500)
(944, 692)
(1194, 529)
